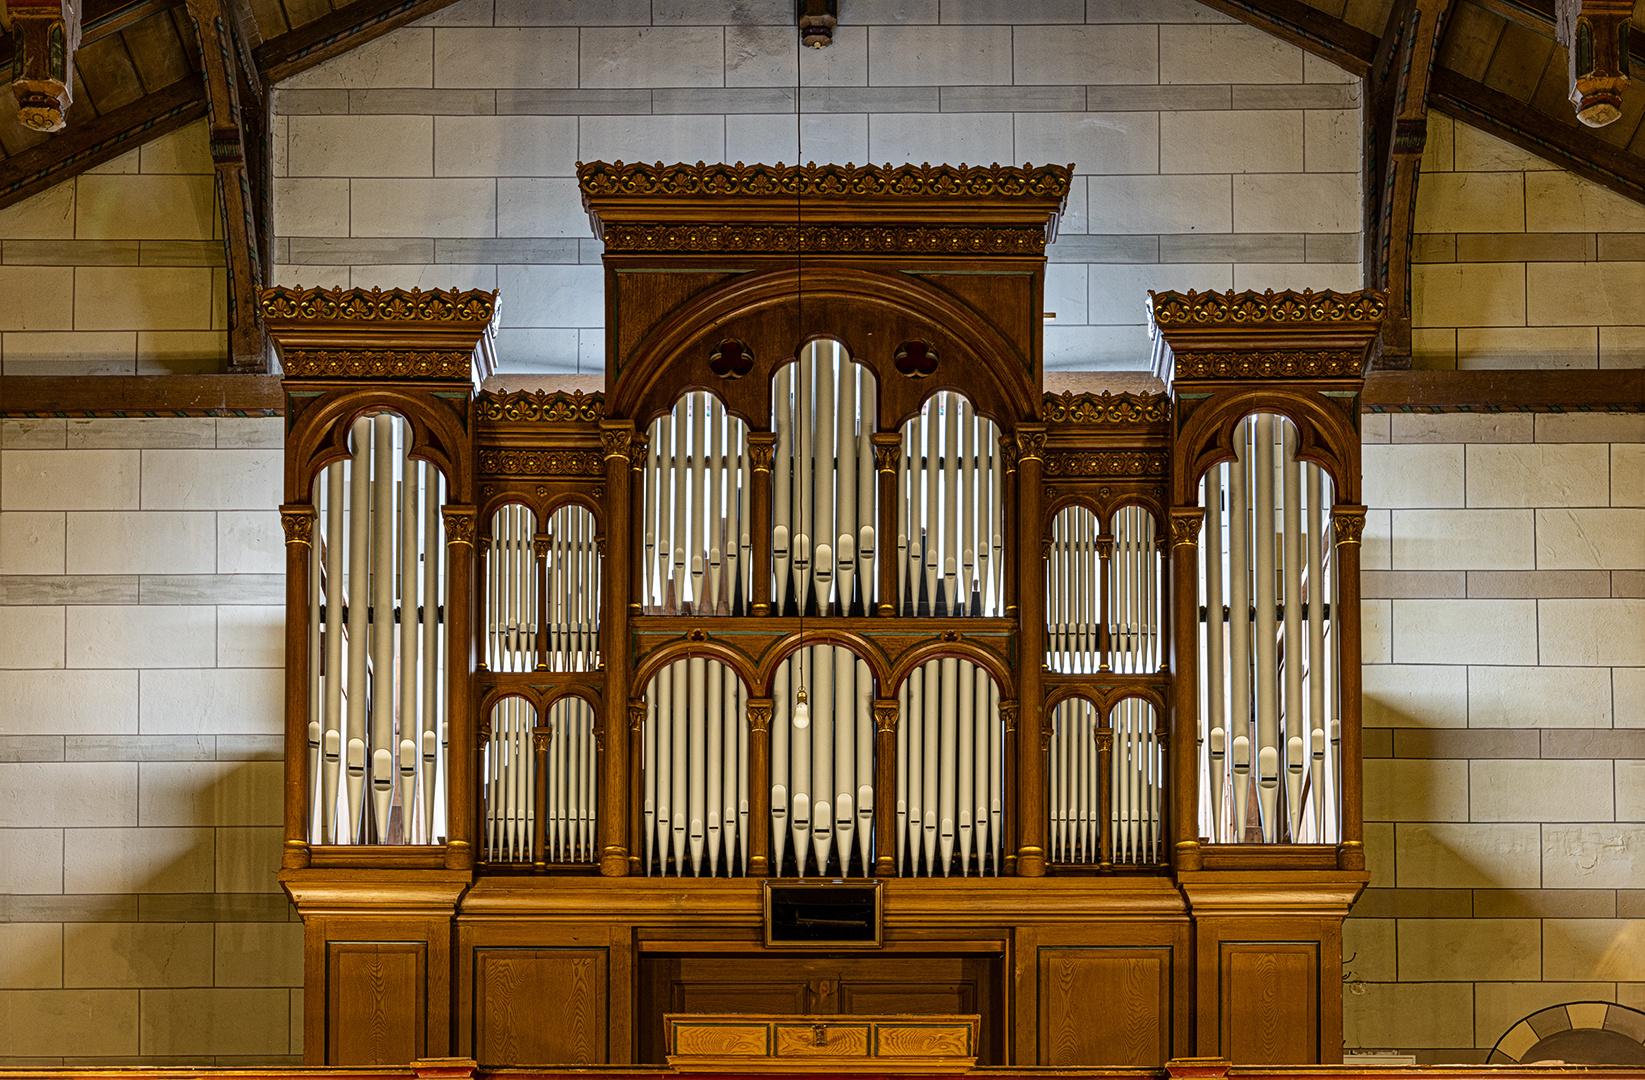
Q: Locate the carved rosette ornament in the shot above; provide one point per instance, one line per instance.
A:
(1348, 524)
(1120, 463)
(1185, 525)
(759, 715)
(298, 523)
(541, 463)
(459, 522)
(1193, 308)
(824, 239)
(372, 364)
(1329, 364)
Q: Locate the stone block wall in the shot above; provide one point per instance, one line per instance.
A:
(141, 674)
(1504, 611)
(1207, 154)
(120, 270)
(1518, 263)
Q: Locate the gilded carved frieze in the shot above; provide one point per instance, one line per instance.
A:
(542, 407)
(1316, 364)
(373, 364)
(599, 178)
(541, 463)
(379, 305)
(1105, 408)
(1119, 463)
(839, 239)
(1231, 309)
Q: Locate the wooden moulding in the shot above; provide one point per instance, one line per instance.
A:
(1290, 336)
(739, 1042)
(396, 335)
(832, 209)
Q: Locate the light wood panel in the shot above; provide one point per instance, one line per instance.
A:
(376, 1002)
(1105, 1006)
(1269, 1003)
(540, 1006)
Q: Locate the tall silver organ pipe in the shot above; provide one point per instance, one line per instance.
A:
(950, 780)
(1136, 779)
(824, 522)
(1090, 567)
(509, 768)
(697, 511)
(694, 773)
(574, 573)
(376, 623)
(1134, 593)
(1268, 676)
(512, 619)
(822, 763)
(1074, 782)
(573, 796)
(950, 518)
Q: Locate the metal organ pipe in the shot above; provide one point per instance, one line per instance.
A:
(376, 686)
(949, 513)
(1273, 564)
(698, 512)
(694, 774)
(932, 703)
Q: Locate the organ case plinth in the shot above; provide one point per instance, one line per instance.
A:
(822, 585)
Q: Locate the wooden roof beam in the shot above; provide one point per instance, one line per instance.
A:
(1308, 28)
(348, 27)
(1396, 130)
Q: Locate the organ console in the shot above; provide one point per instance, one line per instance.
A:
(822, 586)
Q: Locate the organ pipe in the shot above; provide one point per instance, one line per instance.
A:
(376, 675)
(697, 511)
(950, 518)
(949, 810)
(694, 775)
(1267, 578)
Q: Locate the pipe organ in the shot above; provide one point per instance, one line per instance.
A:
(822, 586)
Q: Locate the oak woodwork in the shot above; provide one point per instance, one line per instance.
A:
(534, 1005)
(1102, 1005)
(1270, 1001)
(376, 1002)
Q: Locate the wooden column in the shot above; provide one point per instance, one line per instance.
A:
(298, 522)
(636, 759)
(539, 551)
(1348, 523)
(1031, 730)
(762, 445)
(1008, 797)
(885, 787)
(461, 764)
(616, 441)
(1183, 711)
(1105, 786)
(759, 784)
(1105, 574)
(541, 736)
(887, 449)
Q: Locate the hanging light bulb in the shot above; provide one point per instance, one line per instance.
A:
(802, 712)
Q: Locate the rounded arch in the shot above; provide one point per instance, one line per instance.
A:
(1575, 1033)
(764, 310)
(659, 658)
(861, 647)
(734, 405)
(496, 695)
(928, 390)
(960, 649)
(320, 434)
(1325, 436)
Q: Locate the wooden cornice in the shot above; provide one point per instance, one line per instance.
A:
(1617, 390)
(349, 27)
(81, 146)
(1564, 143)
(1308, 28)
(141, 395)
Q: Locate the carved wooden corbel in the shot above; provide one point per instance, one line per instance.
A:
(1595, 36)
(47, 32)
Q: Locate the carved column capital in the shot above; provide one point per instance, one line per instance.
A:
(1030, 440)
(759, 715)
(297, 519)
(1347, 523)
(1185, 525)
(459, 522)
(762, 450)
(1105, 547)
(1105, 740)
(1008, 714)
(637, 446)
(885, 716)
(540, 738)
(1008, 452)
(887, 449)
(636, 714)
(616, 439)
(539, 546)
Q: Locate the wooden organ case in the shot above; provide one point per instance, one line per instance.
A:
(822, 586)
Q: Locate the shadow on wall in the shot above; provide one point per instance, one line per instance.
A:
(1576, 1033)
(169, 967)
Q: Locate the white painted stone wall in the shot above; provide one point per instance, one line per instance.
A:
(141, 680)
(1520, 264)
(120, 270)
(1208, 154)
(1504, 613)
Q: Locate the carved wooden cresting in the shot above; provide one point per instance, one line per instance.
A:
(822, 586)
